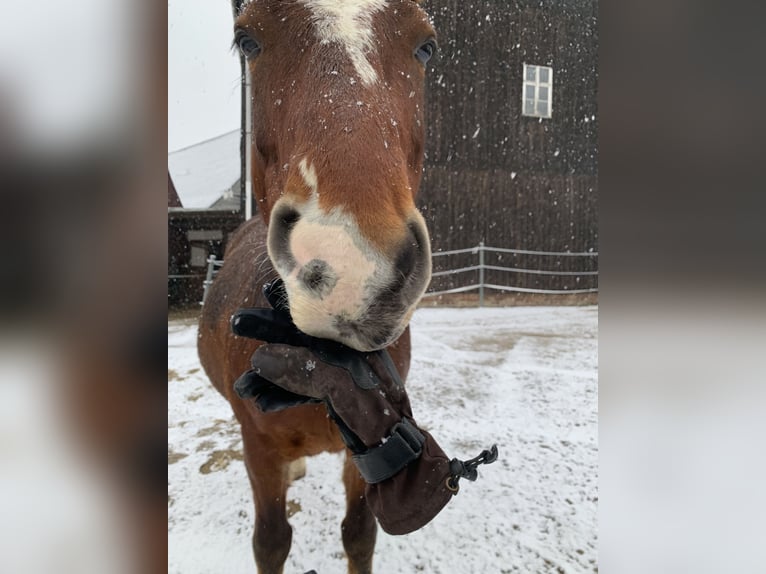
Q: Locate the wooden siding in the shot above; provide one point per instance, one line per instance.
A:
(184, 280)
(494, 175)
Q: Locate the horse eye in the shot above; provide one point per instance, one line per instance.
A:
(249, 47)
(426, 51)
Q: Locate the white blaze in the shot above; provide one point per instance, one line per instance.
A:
(309, 175)
(349, 23)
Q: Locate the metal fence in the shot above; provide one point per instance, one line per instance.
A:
(213, 265)
(481, 267)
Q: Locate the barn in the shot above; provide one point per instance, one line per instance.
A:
(204, 208)
(510, 184)
(512, 148)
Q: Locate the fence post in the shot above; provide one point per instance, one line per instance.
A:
(209, 277)
(481, 274)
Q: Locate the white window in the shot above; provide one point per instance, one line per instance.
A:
(198, 256)
(537, 91)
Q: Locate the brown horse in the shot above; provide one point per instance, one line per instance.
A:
(337, 153)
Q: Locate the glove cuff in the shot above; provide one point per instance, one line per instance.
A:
(384, 461)
(411, 498)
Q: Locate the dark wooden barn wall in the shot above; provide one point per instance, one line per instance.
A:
(520, 182)
(185, 282)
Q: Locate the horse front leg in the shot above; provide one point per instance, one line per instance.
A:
(359, 528)
(273, 535)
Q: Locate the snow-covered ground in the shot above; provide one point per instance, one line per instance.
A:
(524, 378)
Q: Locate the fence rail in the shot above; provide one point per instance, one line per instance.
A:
(480, 250)
(213, 264)
(482, 285)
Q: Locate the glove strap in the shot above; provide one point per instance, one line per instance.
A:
(382, 462)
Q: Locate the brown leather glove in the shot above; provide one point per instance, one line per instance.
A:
(410, 478)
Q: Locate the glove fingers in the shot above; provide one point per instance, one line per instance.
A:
(250, 384)
(268, 396)
(297, 369)
(369, 414)
(354, 363)
(275, 399)
(266, 325)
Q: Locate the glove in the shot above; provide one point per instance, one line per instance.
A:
(410, 478)
(275, 325)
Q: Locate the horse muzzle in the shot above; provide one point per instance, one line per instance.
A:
(340, 285)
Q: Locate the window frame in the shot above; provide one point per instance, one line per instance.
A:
(536, 84)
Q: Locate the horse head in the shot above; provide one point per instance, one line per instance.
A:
(337, 155)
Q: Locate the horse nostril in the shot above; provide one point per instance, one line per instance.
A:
(287, 218)
(283, 220)
(418, 235)
(411, 252)
(313, 274)
(318, 277)
(406, 260)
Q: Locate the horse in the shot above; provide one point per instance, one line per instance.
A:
(337, 155)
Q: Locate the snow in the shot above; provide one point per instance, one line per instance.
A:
(523, 378)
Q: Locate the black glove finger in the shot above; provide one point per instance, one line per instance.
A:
(268, 396)
(266, 325)
(275, 399)
(250, 384)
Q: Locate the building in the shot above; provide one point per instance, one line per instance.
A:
(204, 208)
(511, 145)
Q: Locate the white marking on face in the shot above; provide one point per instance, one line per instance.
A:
(348, 23)
(309, 175)
(361, 271)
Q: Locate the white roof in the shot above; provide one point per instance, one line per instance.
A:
(204, 171)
